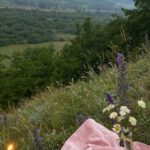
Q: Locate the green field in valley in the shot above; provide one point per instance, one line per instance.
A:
(60, 40)
(19, 48)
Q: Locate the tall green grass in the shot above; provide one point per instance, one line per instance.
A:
(55, 110)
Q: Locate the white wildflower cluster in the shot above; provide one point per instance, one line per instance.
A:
(117, 128)
(121, 116)
(142, 104)
(113, 115)
(133, 121)
(108, 108)
(124, 111)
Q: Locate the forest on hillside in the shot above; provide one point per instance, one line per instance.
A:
(23, 26)
(76, 5)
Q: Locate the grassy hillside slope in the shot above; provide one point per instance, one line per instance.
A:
(54, 111)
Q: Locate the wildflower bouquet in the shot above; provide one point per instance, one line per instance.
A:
(119, 109)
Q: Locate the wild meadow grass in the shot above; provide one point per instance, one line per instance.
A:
(46, 121)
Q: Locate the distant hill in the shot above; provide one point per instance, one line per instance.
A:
(72, 5)
(123, 3)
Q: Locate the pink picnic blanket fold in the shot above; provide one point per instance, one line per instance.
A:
(93, 136)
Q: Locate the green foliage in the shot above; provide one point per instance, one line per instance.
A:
(138, 21)
(20, 26)
(34, 26)
(139, 27)
(142, 4)
(86, 49)
(130, 31)
(55, 110)
(29, 72)
(93, 46)
(38, 67)
(55, 141)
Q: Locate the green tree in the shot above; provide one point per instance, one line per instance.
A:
(86, 50)
(30, 72)
(138, 24)
(142, 4)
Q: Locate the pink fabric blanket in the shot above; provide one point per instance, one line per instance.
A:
(93, 136)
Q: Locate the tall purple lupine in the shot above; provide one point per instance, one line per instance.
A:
(37, 140)
(122, 81)
(3, 120)
(122, 88)
(110, 99)
(119, 59)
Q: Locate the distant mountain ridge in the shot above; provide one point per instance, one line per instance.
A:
(123, 3)
(76, 5)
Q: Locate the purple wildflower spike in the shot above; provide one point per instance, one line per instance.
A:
(38, 140)
(122, 81)
(38, 131)
(119, 59)
(109, 98)
(46, 134)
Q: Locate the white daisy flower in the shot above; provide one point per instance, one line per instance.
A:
(133, 121)
(104, 110)
(120, 118)
(108, 108)
(125, 109)
(117, 128)
(142, 104)
(122, 113)
(113, 115)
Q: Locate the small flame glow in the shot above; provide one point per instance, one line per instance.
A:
(10, 147)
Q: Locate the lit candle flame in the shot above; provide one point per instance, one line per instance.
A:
(10, 147)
